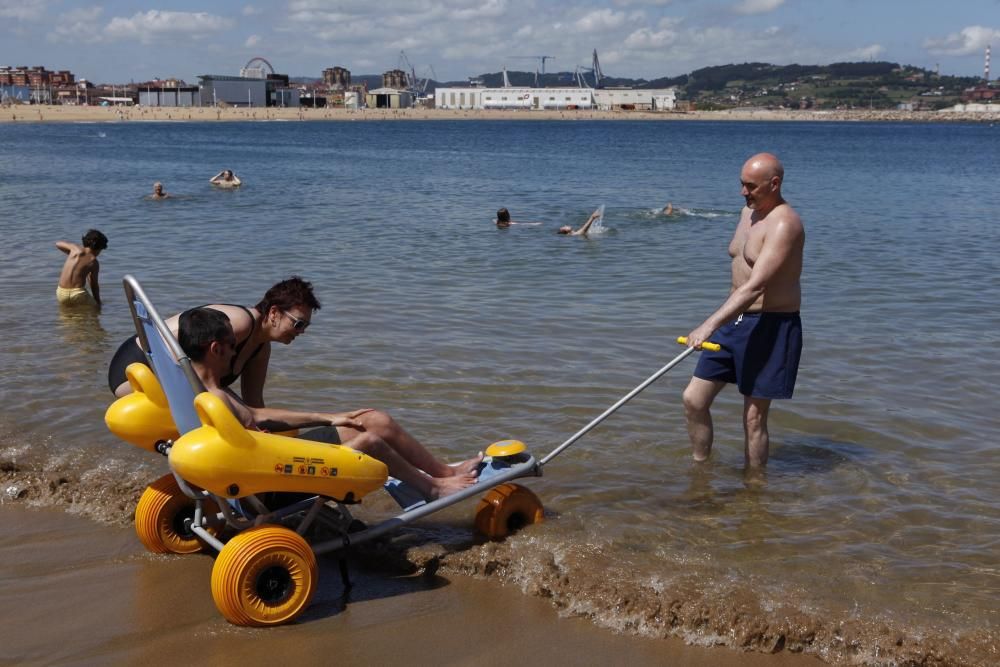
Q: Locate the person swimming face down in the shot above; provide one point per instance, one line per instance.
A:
(565, 229)
(503, 218)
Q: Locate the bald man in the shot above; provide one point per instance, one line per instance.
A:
(758, 326)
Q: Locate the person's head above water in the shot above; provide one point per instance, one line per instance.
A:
(565, 229)
(503, 218)
(158, 188)
(228, 174)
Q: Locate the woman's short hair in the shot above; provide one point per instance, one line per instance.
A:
(287, 294)
(503, 215)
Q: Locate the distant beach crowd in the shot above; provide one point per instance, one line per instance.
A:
(70, 113)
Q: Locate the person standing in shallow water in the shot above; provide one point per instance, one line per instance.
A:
(81, 267)
(758, 326)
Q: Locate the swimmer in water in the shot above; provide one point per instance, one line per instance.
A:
(668, 209)
(503, 220)
(569, 231)
(158, 192)
(226, 179)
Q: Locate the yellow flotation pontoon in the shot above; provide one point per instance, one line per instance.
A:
(143, 417)
(229, 461)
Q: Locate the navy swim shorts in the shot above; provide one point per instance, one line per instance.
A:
(760, 354)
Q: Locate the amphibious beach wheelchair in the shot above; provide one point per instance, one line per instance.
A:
(229, 488)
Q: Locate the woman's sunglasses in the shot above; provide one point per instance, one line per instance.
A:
(297, 324)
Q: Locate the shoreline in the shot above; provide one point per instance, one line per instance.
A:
(159, 606)
(75, 114)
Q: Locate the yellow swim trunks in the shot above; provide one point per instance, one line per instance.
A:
(74, 296)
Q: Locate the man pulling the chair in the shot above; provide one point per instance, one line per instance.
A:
(207, 338)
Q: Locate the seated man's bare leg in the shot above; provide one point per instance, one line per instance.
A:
(430, 487)
(698, 398)
(385, 427)
(756, 440)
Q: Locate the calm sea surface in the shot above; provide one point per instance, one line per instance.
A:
(876, 525)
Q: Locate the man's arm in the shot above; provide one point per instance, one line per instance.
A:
(778, 246)
(95, 288)
(280, 419)
(236, 180)
(215, 179)
(65, 246)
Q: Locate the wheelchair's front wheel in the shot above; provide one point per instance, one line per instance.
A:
(264, 576)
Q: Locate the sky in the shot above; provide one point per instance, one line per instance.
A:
(118, 41)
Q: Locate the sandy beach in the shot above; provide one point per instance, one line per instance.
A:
(80, 592)
(95, 114)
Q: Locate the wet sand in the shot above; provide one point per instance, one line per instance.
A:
(76, 592)
(78, 114)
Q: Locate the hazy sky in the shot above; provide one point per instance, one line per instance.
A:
(127, 40)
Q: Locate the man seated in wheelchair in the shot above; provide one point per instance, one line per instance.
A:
(207, 338)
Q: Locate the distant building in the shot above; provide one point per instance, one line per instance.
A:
(337, 78)
(514, 98)
(555, 98)
(167, 93)
(388, 98)
(35, 84)
(241, 91)
(981, 93)
(394, 78)
(635, 99)
(352, 99)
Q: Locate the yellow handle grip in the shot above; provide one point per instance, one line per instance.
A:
(714, 347)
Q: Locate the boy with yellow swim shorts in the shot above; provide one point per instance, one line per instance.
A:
(81, 267)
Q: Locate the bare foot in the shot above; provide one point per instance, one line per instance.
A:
(466, 467)
(445, 486)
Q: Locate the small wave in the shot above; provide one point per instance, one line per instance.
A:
(692, 599)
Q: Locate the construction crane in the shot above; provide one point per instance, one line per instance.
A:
(417, 86)
(542, 59)
(594, 69)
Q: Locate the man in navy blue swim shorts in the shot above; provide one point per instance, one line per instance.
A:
(758, 326)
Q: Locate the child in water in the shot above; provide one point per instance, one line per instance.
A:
(81, 266)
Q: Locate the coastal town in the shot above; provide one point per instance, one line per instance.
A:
(869, 91)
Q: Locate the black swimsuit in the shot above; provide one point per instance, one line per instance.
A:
(129, 352)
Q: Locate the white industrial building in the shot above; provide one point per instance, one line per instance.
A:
(639, 99)
(554, 98)
(514, 98)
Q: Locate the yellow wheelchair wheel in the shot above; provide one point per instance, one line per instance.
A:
(264, 576)
(161, 519)
(506, 509)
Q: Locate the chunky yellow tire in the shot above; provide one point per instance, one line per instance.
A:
(507, 508)
(160, 519)
(264, 576)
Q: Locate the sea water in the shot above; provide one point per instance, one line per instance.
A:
(874, 532)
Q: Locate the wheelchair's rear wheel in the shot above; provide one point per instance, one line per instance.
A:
(506, 509)
(163, 519)
(264, 576)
